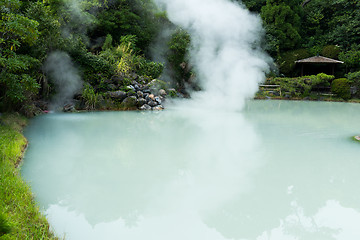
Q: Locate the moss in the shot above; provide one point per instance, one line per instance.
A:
(17, 204)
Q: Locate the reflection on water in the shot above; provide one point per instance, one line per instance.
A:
(280, 170)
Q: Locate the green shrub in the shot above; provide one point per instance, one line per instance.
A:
(108, 42)
(331, 51)
(91, 98)
(324, 78)
(287, 60)
(351, 58)
(341, 87)
(18, 83)
(125, 59)
(148, 68)
(179, 45)
(301, 86)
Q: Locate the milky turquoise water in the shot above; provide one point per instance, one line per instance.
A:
(278, 170)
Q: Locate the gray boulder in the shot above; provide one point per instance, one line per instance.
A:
(153, 103)
(69, 107)
(117, 95)
(162, 92)
(141, 102)
(158, 108)
(112, 86)
(130, 102)
(158, 100)
(145, 107)
(140, 94)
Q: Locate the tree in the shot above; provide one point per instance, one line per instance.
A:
(17, 81)
(127, 17)
(282, 23)
(331, 22)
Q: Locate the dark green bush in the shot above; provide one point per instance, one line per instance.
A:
(301, 86)
(179, 45)
(18, 84)
(351, 58)
(148, 68)
(341, 87)
(108, 42)
(287, 60)
(331, 51)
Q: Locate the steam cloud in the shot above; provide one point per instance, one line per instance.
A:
(60, 69)
(226, 49)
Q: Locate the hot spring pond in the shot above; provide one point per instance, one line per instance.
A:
(279, 170)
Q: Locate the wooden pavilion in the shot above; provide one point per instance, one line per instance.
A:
(317, 64)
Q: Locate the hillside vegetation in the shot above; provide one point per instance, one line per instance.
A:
(109, 45)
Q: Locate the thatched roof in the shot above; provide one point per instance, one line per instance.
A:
(318, 59)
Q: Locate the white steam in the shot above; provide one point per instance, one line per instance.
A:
(80, 18)
(226, 49)
(58, 66)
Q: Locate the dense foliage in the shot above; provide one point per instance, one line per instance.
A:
(109, 39)
(301, 28)
(341, 87)
(31, 30)
(301, 86)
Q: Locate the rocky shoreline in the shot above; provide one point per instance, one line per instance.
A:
(130, 92)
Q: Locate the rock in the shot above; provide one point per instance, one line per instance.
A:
(158, 108)
(162, 92)
(353, 90)
(145, 107)
(158, 100)
(130, 102)
(69, 107)
(172, 92)
(137, 87)
(152, 97)
(116, 79)
(112, 87)
(78, 96)
(146, 90)
(118, 95)
(140, 94)
(153, 103)
(146, 96)
(134, 76)
(276, 93)
(141, 102)
(131, 93)
(42, 105)
(130, 87)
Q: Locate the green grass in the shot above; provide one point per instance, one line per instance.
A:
(20, 216)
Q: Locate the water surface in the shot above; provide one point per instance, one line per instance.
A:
(279, 170)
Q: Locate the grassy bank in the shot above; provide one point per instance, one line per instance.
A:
(19, 215)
